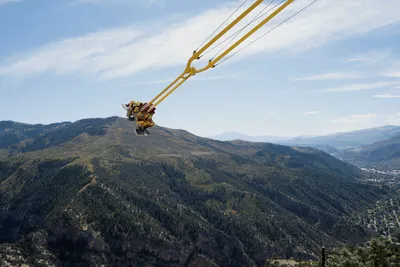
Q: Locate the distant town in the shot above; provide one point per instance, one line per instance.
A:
(383, 218)
(389, 177)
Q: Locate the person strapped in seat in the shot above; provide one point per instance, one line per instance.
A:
(142, 114)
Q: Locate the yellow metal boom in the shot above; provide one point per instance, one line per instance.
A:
(190, 70)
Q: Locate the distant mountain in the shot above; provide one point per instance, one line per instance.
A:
(384, 154)
(350, 139)
(94, 193)
(286, 141)
(331, 143)
(325, 148)
(231, 136)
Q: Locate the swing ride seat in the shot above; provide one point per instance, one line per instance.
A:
(142, 113)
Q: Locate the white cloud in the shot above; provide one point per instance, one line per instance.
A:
(392, 69)
(121, 52)
(394, 119)
(86, 54)
(387, 96)
(312, 112)
(330, 76)
(355, 119)
(359, 86)
(362, 121)
(238, 75)
(355, 122)
(393, 74)
(363, 116)
(2, 2)
(148, 3)
(90, 1)
(369, 57)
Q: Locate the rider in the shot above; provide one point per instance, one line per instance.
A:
(143, 118)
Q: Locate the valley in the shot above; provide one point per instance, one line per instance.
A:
(390, 177)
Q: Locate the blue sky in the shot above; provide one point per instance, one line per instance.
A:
(334, 67)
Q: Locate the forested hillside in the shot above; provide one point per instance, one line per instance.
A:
(93, 192)
(384, 154)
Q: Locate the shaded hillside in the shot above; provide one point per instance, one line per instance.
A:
(384, 154)
(14, 132)
(94, 192)
(326, 148)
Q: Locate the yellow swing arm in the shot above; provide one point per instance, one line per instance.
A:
(190, 70)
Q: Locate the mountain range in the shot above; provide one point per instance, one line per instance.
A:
(231, 136)
(331, 143)
(383, 154)
(92, 192)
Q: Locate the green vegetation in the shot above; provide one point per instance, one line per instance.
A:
(379, 253)
(376, 253)
(383, 217)
(13, 132)
(61, 135)
(94, 193)
(383, 154)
